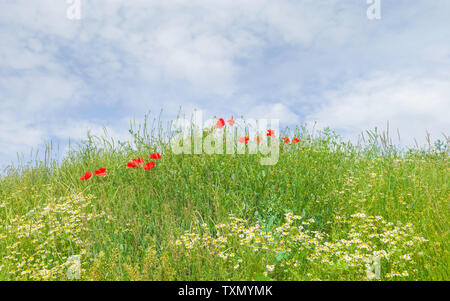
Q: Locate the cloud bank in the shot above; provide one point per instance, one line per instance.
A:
(299, 61)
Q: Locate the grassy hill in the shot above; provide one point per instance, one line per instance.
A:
(327, 210)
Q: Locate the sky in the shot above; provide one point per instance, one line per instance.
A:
(299, 61)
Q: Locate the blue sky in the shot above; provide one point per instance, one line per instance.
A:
(298, 61)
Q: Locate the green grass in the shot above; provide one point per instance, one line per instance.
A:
(173, 222)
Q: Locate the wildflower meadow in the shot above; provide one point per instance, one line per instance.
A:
(328, 209)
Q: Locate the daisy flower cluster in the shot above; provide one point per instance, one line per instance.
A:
(368, 239)
(40, 243)
(281, 251)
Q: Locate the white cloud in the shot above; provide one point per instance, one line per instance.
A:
(257, 58)
(31, 95)
(274, 111)
(412, 103)
(17, 136)
(77, 130)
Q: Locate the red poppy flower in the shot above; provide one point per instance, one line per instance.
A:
(149, 165)
(220, 123)
(86, 176)
(295, 140)
(101, 172)
(244, 140)
(286, 139)
(258, 139)
(270, 133)
(155, 156)
(139, 161)
(132, 164)
(231, 121)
